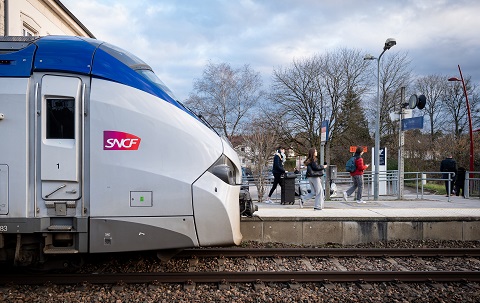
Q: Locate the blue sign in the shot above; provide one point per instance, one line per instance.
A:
(412, 123)
(382, 156)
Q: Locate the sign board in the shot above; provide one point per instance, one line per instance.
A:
(382, 156)
(354, 148)
(412, 123)
(324, 131)
(382, 170)
(404, 114)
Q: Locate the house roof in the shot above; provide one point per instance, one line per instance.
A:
(74, 18)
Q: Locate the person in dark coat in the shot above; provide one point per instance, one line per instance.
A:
(277, 171)
(447, 167)
(460, 182)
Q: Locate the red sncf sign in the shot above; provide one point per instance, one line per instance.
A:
(115, 140)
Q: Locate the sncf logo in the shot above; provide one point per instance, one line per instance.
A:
(113, 140)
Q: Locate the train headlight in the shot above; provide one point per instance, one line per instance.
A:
(225, 170)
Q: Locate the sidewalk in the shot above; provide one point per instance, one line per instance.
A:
(414, 210)
(410, 196)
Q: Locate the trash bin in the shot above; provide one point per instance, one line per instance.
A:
(288, 188)
(332, 175)
(332, 172)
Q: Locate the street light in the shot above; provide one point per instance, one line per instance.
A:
(388, 44)
(469, 115)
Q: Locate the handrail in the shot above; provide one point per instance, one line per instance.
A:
(472, 180)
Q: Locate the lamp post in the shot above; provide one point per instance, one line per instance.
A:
(388, 44)
(469, 115)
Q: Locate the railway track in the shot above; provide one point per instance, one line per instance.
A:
(285, 265)
(335, 252)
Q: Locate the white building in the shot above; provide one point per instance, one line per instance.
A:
(39, 18)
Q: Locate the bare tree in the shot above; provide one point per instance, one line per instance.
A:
(433, 87)
(454, 105)
(395, 73)
(345, 79)
(352, 129)
(297, 96)
(260, 143)
(422, 154)
(474, 100)
(225, 96)
(313, 90)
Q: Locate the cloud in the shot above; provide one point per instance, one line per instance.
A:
(177, 38)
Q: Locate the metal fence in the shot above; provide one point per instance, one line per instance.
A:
(472, 181)
(301, 183)
(472, 184)
(388, 182)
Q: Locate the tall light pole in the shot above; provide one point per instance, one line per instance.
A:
(388, 44)
(469, 115)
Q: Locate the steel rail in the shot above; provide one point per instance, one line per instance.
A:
(244, 277)
(329, 252)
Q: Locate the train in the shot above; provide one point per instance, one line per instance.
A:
(98, 156)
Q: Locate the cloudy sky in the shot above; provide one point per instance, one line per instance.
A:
(178, 37)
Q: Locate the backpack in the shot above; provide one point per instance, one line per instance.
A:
(351, 166)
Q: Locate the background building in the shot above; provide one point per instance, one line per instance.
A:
(39, 18)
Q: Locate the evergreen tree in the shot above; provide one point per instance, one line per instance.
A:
(352, 130)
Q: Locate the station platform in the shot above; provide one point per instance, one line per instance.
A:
(415, 217)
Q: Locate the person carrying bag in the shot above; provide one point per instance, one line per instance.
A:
(314, 175)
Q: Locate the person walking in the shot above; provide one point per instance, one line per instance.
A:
(357, 176)
(314, 175)
(277, 171)
(448, 167)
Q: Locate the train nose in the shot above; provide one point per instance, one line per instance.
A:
(216, 205)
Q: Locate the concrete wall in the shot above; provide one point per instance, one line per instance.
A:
(42, 17)
(312, 232)
(2, 17)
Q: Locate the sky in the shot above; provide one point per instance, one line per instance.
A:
(177, 38)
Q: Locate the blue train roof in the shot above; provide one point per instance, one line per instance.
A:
(21, 56)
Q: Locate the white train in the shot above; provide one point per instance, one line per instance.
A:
(97, 156)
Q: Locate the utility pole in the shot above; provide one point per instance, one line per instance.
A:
(401, 146)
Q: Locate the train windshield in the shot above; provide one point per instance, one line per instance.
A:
(137, 65)
(150, 75)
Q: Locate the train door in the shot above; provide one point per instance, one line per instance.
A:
(59, 175)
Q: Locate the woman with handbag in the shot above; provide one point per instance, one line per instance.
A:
(314, 175)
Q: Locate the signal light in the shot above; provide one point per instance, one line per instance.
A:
(418, 102)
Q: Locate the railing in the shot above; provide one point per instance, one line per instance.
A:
(388, 182)
(472, 181)
(301, 183)
(421, 177)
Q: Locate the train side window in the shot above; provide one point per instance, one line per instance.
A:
(60, 119)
